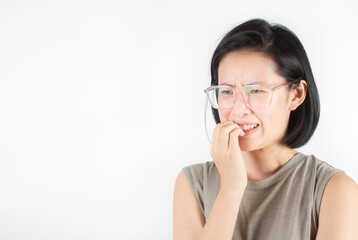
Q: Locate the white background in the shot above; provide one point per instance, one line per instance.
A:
(102, 104)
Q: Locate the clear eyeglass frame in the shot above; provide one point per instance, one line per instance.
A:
(244, 96)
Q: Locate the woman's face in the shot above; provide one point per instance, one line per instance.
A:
(244, 67)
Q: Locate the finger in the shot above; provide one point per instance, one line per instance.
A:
(217, 131)
(223, 143)
(234, 139)
(225, 131)
(215, 143)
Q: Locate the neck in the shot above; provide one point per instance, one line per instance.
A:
(263, 163)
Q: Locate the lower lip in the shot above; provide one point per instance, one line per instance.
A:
(248, 132)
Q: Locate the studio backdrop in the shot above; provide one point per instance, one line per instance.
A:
(102, 103)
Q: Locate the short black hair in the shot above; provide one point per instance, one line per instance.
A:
(285, 49)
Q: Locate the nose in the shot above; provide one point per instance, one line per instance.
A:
(240, 107)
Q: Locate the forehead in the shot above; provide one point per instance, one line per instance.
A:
(247, 67)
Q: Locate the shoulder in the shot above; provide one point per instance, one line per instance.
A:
(200, 170)
(317, 172)
(198, 173)
(340, 187)
(320, 170)
(340, 181)
(321, 167)
(191, 184)
(201, 165)
(339, 208)
(324, 179)
(204, 180)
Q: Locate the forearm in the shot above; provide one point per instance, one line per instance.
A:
(222, 219)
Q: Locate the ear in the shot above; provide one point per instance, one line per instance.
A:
(298, 95)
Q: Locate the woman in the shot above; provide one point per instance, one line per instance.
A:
(265, 103)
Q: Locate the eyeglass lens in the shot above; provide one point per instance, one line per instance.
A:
(223, 97)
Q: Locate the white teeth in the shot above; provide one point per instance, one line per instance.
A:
(248, 127)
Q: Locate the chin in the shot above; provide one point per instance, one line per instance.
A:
(247, 146)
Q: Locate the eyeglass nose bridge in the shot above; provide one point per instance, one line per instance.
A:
(243, 96)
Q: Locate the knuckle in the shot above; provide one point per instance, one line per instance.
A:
(221, 124)
(235, 132)
(227, 128)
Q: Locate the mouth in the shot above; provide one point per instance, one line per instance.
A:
(249, 129)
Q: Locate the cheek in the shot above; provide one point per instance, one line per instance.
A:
(224, 115)
(272, 119)
(279, 112)
(277, 121)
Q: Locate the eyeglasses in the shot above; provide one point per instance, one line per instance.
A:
(255, 96)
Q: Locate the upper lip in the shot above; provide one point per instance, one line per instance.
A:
(245, 123)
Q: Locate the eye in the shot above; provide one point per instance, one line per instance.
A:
(226, 92)
(255, 90)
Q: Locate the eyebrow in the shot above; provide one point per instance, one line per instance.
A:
(249, 83)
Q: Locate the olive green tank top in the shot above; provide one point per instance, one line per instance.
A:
(283, 206)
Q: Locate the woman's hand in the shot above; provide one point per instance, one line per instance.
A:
(226, 153)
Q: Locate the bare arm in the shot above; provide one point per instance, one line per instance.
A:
(189, 222)
(338, 217)
(188, 218)
(223, 216)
